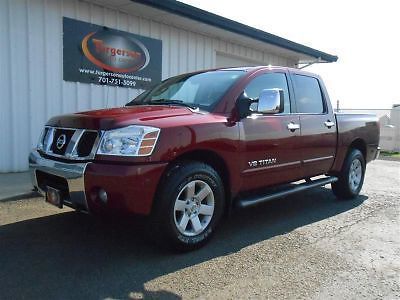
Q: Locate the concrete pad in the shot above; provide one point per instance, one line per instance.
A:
(15, 186)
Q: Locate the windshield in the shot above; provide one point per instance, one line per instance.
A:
(201, 90)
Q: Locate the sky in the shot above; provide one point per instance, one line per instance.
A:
(365, 35)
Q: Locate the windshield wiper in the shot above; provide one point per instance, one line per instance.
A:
(170, 101)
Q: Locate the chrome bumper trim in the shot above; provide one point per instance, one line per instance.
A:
(73, 173)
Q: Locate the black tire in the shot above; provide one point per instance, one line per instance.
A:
(175, 186)
(348, 187)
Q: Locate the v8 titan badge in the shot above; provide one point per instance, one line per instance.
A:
(262, 162)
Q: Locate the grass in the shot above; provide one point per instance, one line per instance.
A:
(390, 153)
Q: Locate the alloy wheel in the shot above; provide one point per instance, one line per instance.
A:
(194, 208)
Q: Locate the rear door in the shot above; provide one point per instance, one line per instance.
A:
(317, 122)
(270, 148)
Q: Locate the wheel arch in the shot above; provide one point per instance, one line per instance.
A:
(344, 151)
(210, 158)
(358, 144)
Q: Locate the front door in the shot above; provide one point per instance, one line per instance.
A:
(270, 142)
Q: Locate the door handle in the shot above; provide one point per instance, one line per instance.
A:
(329, 124)
(293, 126)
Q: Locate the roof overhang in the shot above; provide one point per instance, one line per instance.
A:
(191, 18)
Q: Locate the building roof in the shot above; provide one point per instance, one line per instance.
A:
(206, 17)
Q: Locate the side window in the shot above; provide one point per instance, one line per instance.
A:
(308, 95)
(269, 81)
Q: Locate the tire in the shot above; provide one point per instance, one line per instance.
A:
(351, 177)
(188, 206)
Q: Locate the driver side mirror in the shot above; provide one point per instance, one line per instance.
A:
(270, 101)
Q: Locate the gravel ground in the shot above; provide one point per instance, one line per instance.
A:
(306, 246)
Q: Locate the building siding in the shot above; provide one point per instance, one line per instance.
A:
(31, 77)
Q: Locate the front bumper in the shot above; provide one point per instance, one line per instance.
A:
(129, 188)
(67, 177)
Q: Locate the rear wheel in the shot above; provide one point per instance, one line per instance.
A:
(351, 178)
(189, 205)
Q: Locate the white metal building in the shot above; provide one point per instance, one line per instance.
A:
(31, 58)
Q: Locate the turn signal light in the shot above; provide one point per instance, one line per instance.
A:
(148, 142)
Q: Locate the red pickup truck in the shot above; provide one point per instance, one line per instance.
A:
(194, 146)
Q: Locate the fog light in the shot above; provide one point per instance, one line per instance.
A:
(103, 196)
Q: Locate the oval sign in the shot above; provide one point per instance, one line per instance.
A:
(114, 52)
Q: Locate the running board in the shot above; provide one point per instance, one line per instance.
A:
(250, 201)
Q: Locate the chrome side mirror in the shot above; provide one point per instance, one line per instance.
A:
(270, 101)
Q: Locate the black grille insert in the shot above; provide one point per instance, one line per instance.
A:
(86, 143)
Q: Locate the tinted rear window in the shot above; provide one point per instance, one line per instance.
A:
(308, 95)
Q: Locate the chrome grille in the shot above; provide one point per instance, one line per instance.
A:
(69, 143)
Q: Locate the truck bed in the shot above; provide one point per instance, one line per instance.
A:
(353, 127)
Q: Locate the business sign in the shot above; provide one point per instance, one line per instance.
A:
(100, 55)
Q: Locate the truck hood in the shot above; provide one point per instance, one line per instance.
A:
(102, 119)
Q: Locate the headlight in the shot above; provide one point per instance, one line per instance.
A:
(133, 140)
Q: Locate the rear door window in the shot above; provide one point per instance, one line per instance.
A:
(308, 95)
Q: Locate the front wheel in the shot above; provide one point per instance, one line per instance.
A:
(189, 205)
(351, 178)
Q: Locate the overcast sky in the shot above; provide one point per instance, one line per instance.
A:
(364, 34)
